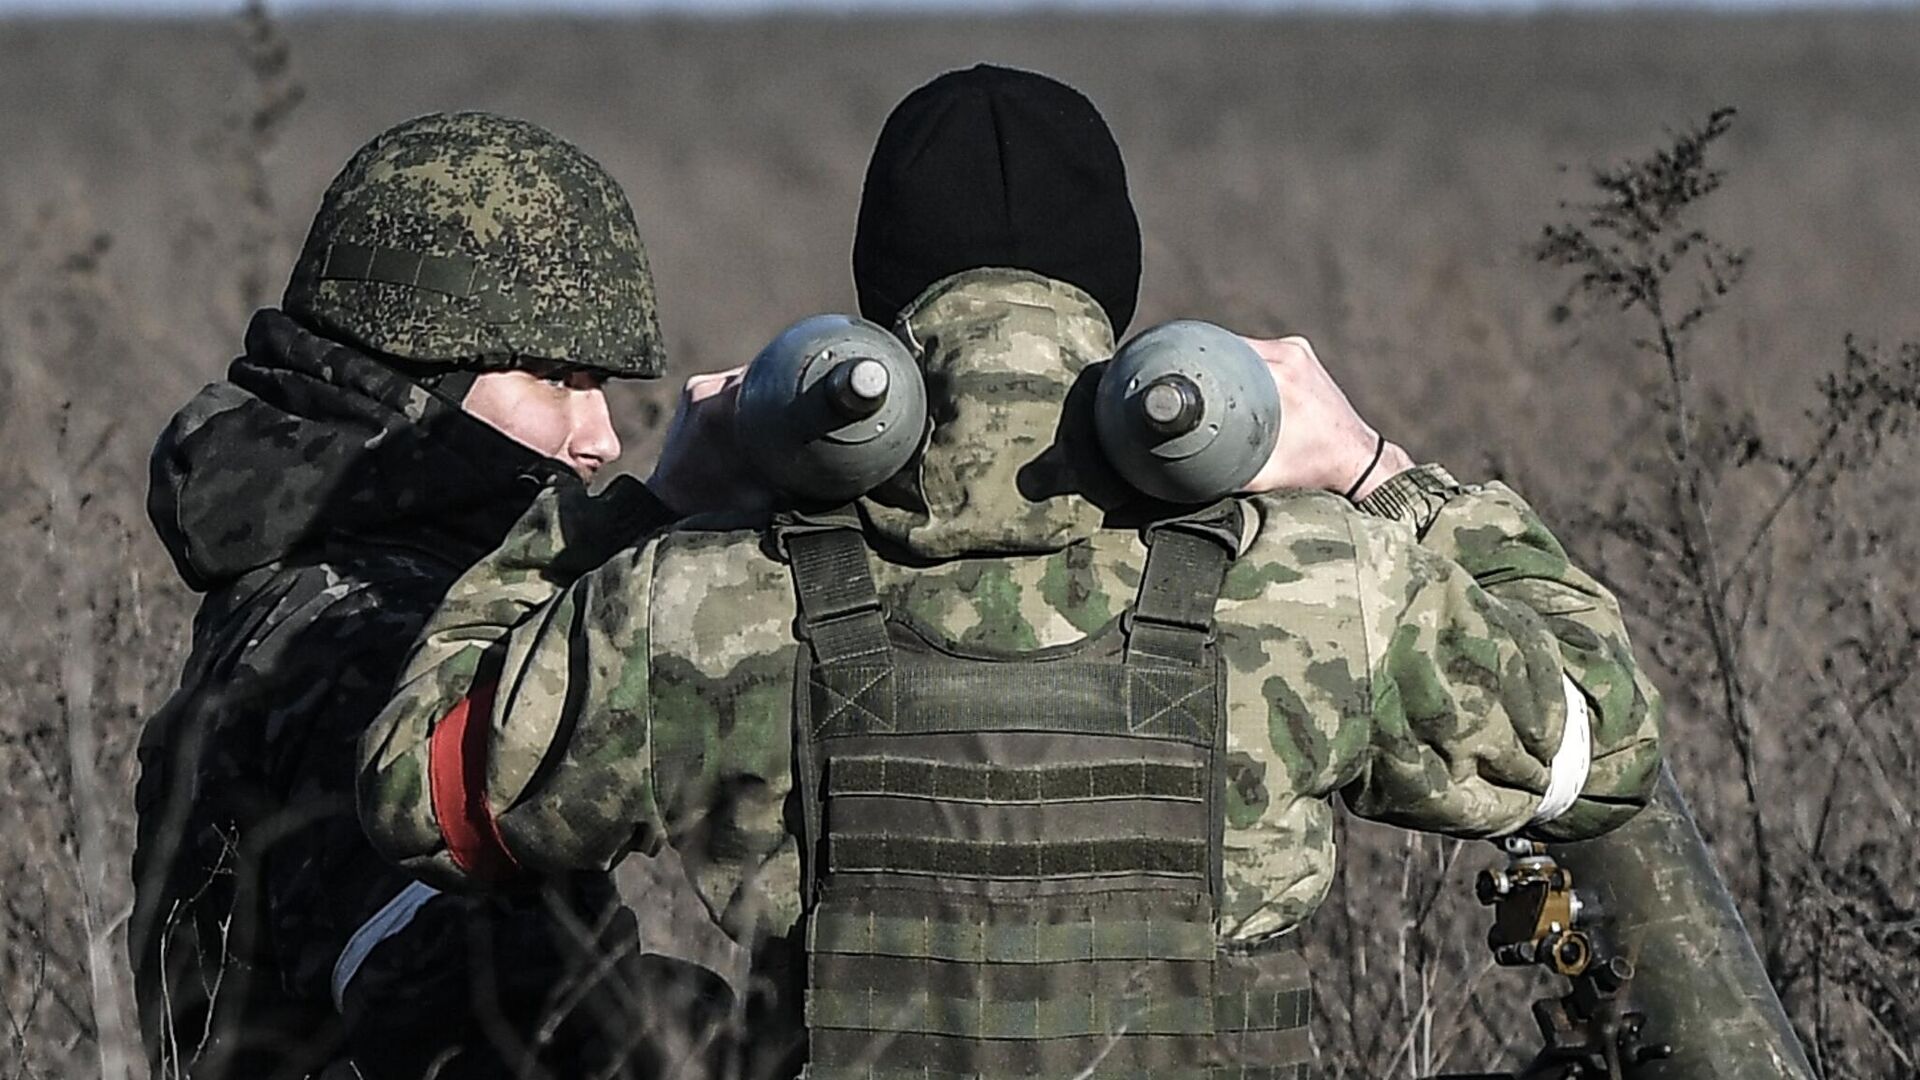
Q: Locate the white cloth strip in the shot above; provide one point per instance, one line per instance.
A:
(386, 922)
(1573, 761)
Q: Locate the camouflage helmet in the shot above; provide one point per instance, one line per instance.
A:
(484, 241)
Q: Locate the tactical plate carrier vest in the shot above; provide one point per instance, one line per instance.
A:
(1011, 863)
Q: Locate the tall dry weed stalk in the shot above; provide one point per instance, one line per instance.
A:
(90, 628)
(67, 738)
(254, 133)
(1777, 572)
(236, 236)
(243, 236)
(1399, 965)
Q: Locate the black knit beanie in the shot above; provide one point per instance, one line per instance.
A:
(996, 167)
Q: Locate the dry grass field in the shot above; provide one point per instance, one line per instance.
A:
(1374, 183)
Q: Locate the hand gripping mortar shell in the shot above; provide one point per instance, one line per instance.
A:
(1187, 412)
(830, 408)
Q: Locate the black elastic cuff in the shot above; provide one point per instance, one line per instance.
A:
(1413, 496)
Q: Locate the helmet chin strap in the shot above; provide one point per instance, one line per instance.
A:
(451, 384)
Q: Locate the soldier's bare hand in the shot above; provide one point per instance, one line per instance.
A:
(1324, 444)
(701, 466)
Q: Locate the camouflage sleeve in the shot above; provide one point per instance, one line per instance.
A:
(489, 656)
(1483, 639)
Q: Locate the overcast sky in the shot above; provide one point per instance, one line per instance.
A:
(603, 6)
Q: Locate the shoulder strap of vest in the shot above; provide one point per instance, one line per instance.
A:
(840, 613)
(841, 620)
(1187, 557)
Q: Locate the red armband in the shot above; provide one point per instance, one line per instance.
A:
(457, 777)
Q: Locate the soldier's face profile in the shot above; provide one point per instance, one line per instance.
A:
(561, 414)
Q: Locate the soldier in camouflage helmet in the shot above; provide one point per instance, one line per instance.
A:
(482, 241)
(469, 284)
(1001, 771)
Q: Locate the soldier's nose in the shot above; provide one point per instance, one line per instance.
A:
(594, 442)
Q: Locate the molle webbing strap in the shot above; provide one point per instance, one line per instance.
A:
(1046, 822)
(938, 695)
(1102, 1071)
(1139, 936)
(1265, 1010)
(950, 782)
(1006, 994)
(1033, 861)
(996, 1000)
(1019, 823)
(1037, 988)
(844, 1054)
(1261, 1006)
(840, 611)
(1000, 1017)
(450, 275)
(1088, 1009)
(1172, 617)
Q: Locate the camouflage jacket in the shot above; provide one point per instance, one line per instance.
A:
(324, 504)
(1412, 654)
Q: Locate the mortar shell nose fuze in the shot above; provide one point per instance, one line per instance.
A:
(1171, 405)
(1187, 412)
(830, 408)
(858, 388)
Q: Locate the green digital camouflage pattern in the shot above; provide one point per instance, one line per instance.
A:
(324, 504)
(1409, 659)
(483, 240)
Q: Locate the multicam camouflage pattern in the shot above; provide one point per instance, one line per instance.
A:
(483, 240)
(325, 504)
(1411, 662)
(999, 362)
